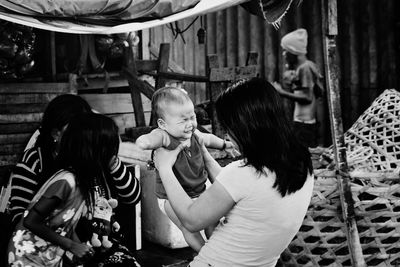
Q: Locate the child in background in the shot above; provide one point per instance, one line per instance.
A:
(177, 125)
(47, 229)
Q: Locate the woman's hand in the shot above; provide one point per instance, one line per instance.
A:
(81, 250)
(164, 158)
(231, 150)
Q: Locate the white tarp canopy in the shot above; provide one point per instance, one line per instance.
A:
(70, 26)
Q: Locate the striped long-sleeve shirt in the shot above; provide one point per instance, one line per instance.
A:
(26, 180)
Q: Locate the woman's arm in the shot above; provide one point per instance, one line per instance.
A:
(212, 166)
(24, 183)
(127, 186)
(194, 215)
(35, 222)
(153, 140)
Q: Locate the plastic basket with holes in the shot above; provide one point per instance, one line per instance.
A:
(373, 142)
(373, 153)
(321, 240)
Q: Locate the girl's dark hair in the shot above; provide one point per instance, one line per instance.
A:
(87, 146)
(58, 113)
(251, 111)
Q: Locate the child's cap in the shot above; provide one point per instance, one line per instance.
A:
(295, 42)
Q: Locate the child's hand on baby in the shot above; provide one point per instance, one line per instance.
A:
(113, 162)
(81, 249)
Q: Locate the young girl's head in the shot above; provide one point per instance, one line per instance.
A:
(87, 147)
(56, 117)
(174, 111)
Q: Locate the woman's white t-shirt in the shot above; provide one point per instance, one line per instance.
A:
(260, 225)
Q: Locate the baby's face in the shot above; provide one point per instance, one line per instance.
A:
(180, 120)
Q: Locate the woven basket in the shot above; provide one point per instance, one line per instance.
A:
(322, 240)
(373, 142)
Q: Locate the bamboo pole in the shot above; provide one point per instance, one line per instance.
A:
(332, 71)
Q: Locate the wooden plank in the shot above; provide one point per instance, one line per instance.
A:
(146, 65)
(23, 88)
(22, 108)
(243, 35)
(221, 37)
(172, 65)
(189, 52)
(144, 87)
(199, 60)
(180, 76)
(20, 118)
(214, 90)
(145, 43)
(232, 73)
(19, 127)
(256, 39)
(163, 59)
(6, 160)
(138, 107)
(127, 120)
(232, 36)
(99, 83)
(114, 103)
(26, 98)
(14, 138)
(211, 33)
(7, 149)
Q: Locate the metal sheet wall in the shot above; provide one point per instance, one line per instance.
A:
(368, 46)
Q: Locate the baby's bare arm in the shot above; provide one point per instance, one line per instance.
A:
(210, 140)
(153, 140)
(213, 141)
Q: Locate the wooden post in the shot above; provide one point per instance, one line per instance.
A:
(163, 60)
(214, 90)
(332, 71)
(130, 67)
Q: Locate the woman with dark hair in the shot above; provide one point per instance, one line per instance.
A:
(89, 146)
(259, 201)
